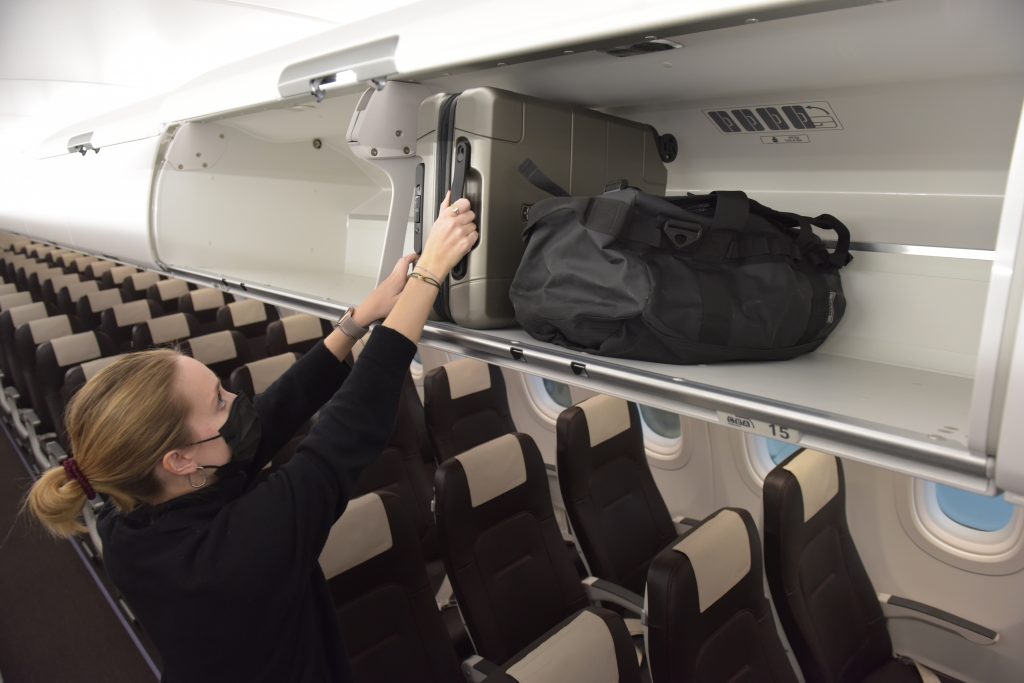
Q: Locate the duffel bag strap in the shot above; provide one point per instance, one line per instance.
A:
(540, 180)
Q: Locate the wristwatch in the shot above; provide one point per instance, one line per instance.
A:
(349, 327)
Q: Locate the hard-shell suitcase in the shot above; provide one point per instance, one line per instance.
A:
(473, 143)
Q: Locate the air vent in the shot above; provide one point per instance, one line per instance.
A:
(645, 47)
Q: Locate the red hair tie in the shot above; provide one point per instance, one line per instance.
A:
(71, 467)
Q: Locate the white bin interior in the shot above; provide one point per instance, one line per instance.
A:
(274, 198)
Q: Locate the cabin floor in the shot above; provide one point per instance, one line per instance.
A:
(55, 622)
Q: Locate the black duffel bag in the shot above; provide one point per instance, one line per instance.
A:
(689, 279)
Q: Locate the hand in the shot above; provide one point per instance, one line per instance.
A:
(451, 237)
(381, 300)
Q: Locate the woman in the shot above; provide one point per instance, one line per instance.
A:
(222, 572)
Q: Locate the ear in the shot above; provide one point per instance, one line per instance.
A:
(178, 463)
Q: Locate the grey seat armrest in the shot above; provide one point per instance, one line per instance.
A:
(599, 590)
(30, 419)
(476, 669)
(896, 607)
(55, 451)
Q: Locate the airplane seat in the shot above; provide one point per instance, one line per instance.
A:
(250, 317)
(617, 514)
(119, 320)
(592, 645)
(68, 296)
(53, 286)
(166, 293)
(466, 405)
(11, 320)
(297, 333)
(503, 550)
(222, 351)
(385, 604)
(134, 286)
(400, 470)
(707, 615)
(78, 264)
(96, 269)
(56, 256)
(9, 301)
(203, 304)
(824, 596)
(37, 277)
(256, 377)
(115, 276)
(90, 307)
(53, 359)
(27, 338)
(11, 266)
(165, 330)
(74, 379)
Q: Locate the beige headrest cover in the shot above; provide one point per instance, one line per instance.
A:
(719, 551)
(493, 468)
(467, 376)
(362, 533)
(607, 416)
(818, 477)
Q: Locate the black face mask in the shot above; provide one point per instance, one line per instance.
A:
(242, 431)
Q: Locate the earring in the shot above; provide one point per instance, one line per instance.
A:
(192, 483)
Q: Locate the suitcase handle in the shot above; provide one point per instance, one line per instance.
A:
(461, 165)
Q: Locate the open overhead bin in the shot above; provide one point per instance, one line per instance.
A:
(896, 117)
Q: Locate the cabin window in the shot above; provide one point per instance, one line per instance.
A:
(660, 424)
(766, 453)
(974, 513)
(977, 533)
(550, 398)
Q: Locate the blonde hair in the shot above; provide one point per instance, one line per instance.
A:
(120, 425)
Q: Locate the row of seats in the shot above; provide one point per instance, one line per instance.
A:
(701, 583)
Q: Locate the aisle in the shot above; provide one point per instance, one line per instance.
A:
(55, 624)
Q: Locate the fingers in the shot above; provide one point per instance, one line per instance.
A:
(444, 204)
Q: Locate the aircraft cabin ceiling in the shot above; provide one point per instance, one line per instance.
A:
(65, 60)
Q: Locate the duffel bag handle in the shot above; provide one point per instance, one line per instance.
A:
(807, 241)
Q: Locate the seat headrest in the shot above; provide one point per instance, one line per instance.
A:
(61, 281)
(364, 533)
(75, 349)
(205, 298)
(118, 274)
(213, 348)
(582, 650)
(90, 368)
(172, 289)
(12, 300)
(76, 290)
(467, 376)
(247, 312)
(719, 552)
(80, 262)
(818, 477)
(23, 314)
(45, 329)
(493, 468)
(142, 281)
(103, 299)
(607, 416)
(169, 328)
(265, 372)
(131, 313)
(6, 289)
(99, 267)
(301, 327)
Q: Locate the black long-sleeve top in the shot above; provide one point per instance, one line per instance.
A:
(226, 580)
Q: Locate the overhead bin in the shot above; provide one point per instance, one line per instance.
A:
(907, 131)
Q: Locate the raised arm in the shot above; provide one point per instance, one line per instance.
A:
(292, 512)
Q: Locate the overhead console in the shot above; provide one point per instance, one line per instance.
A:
(284, 178)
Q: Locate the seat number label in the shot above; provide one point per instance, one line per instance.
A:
(767, 429)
